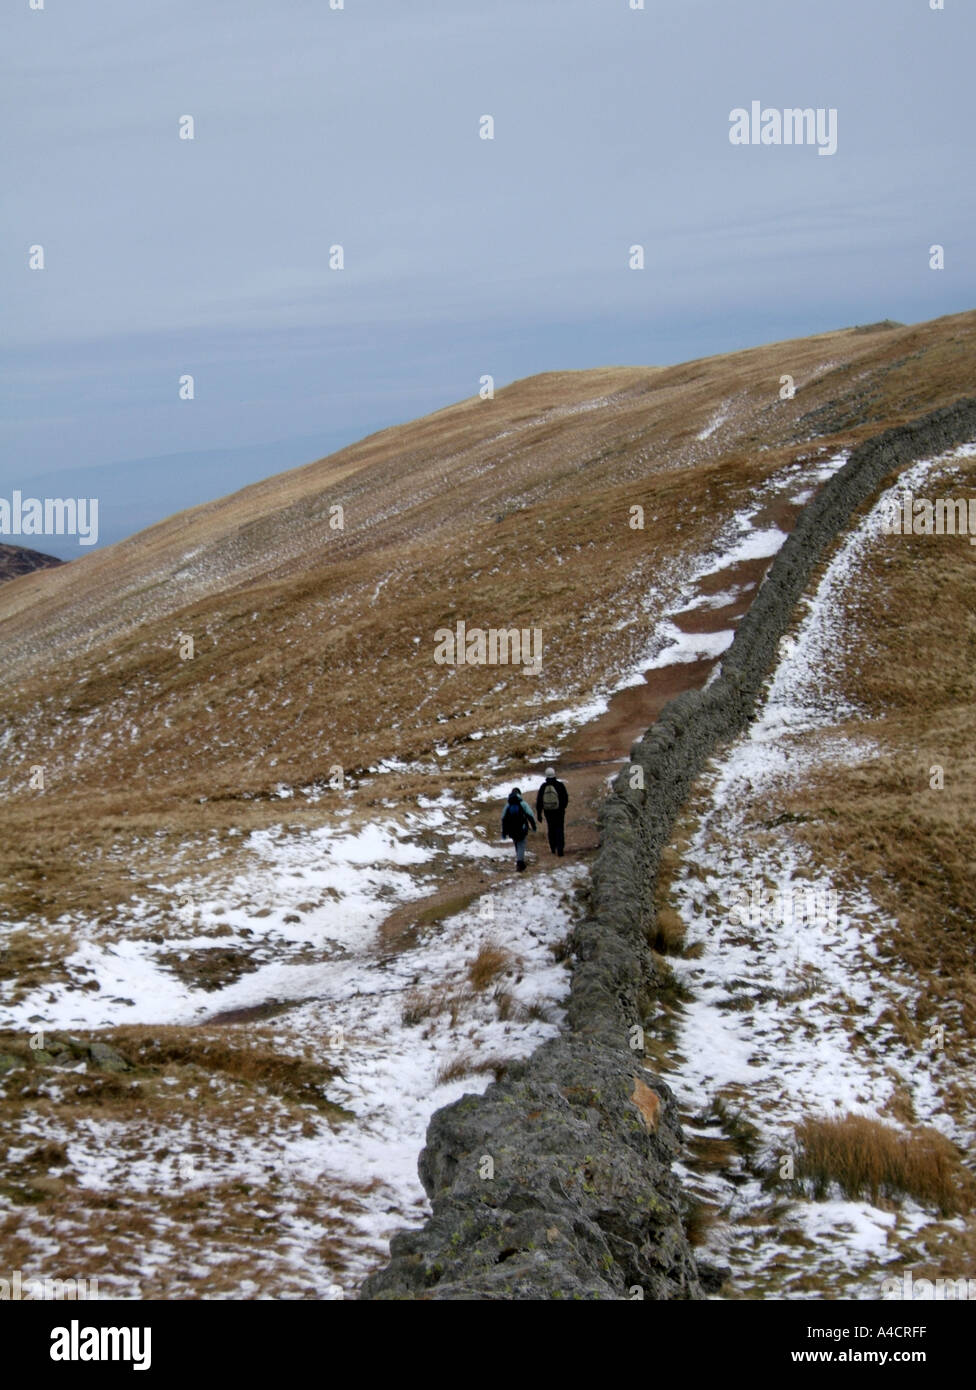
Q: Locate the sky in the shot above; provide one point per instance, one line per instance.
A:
(360, 127)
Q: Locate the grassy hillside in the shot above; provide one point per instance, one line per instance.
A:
(314, 645)
(183, 877)
(854, 1022)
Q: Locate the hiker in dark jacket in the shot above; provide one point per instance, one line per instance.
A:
(551, 802)
(516, 820)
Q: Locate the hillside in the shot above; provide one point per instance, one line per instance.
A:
(267, 873)
(817, 907)
(512, 512)
(15, 560)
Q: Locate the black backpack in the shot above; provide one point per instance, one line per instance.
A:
(515, 825)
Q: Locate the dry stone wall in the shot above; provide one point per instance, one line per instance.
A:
(557, 1182)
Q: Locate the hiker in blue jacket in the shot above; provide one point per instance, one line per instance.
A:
(516, 821)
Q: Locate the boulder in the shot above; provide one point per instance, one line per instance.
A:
(105, 1058)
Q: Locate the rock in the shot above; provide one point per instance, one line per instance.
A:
(106, 1058)
(580, 1202)
(713, 1276)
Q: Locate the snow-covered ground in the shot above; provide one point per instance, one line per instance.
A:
(786, 1019)
(351, 1003)
(300, 912)
(678, 588)
(324, 890)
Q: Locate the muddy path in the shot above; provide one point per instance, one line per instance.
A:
(592, 756)
(600, 748)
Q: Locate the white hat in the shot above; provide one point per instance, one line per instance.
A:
(550, 772)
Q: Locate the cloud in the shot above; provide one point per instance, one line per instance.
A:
(359, 127)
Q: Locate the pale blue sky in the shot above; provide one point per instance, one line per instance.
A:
(463, 256)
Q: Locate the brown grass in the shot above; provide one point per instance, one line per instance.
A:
(30, 958)
(699, 1219)
(468, 1064)
(420, 1005)
(97, 639)
(491, 961)
(667, 934)
(505, 1003)
(190, 1055)
(911, 666)
(866, 1158)
(241, 1056)
(226, 1228)
(454, 516)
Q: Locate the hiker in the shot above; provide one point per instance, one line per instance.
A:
(516, 820)
(551, 802)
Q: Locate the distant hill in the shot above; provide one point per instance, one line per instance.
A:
(290, 965)
(138, 493)
(313, 596)
(15, 560)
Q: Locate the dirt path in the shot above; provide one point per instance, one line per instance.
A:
(601, 747)
(592, 756)
(597, 750)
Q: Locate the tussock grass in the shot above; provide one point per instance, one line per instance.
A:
(421, 1006)
(238, 1055)
(469, 1064)
(418, 1007)
(742, 1133)
(484, 971)
(867, 1158)
(30, 958)
(670, 991)
(562, 950)
(232, 1056)
(508, 1007)
(699, 1219)
(491, 961)
(667, 934)
(505, 1003)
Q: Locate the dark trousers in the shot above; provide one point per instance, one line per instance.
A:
(555, 822)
